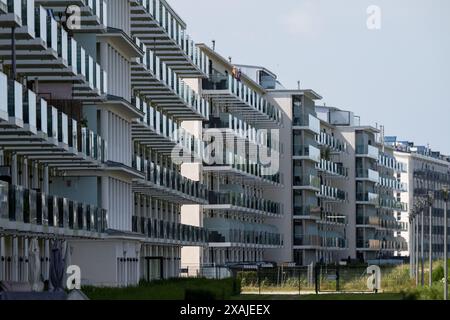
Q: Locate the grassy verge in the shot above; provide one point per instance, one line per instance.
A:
(380, 296)
(177, 289)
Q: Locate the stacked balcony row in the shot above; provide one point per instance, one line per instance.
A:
(94, 15)
(242, 130)
(156, 124)
(376, 244)
(33, 207)
(156, 175)
(46, 51)
(156, 81)
(245, 166)
(241, 233)
(39, 126)
(154, 22)
(335, 145)
(332, 168)
(239, 98)
(319, 241)
(264, 206)
(332, 193)
(165, 230)
(391, 163)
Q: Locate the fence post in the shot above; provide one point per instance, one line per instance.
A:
(316, 278)
(299, 281)
(337, 278)
(259, 280)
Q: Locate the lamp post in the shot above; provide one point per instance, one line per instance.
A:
(430, 243)
(422, 249)
(445, 244)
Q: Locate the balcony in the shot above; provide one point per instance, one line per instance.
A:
(232, 233)
(307, 241)
(335, 145)
(390, 162)
(33, 128)
(393, 184)
(165, 232)
(367, 151)
(157, 82)
(46, 51)
(331, 194)
(392, 204)
(393, 244)
(332, 169)
(368, 198)
(235, 129)
(241, 100)
(309, 212)
(306, 183)
(167, 184)
(93, 12)
(159, 131)
(244, 169)
(306, 153)
(238, 202)
(156, 25)
(367, 175)
(11, 13)
(309, 123)
(33, 211)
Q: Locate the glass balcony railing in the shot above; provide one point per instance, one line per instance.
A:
(368, 151)
(171, 231)
(163, 73)
(245, 237)
(332, 168)
(395, 244)
(368, 197)
(247, 166)
(391, 163)
(242, 92)
(307, 181)
(159, 12)
(36, 208)
(310, 123)
(245, 201)
(165, 126)
(306, 211)
(12, 7)
(332, 193)
(368, 174)
(24, 110)
(325, 139)
(307, 240)
(309, 152)
(243, 130)
(393, 204)
(393, 184)
(168, 178)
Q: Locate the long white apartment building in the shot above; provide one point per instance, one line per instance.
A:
(427, 175)
(89, 116)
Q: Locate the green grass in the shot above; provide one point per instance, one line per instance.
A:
(165, 290)
(379, 296)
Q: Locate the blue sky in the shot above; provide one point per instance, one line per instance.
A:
(398, 76)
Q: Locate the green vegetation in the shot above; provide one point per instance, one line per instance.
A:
(177, 289)
(337, 296)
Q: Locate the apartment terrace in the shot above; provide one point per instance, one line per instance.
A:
(169, 233)
(93, 12)
(241, 100)
(159, 131)
(166, 184)
(160, 29)
(44, 50)
(33, 212)
(32, 128)
(156, 81)
(242, 203)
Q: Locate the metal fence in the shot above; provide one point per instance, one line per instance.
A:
(319, 278)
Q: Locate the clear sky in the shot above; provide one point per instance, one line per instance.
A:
(398, 76)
